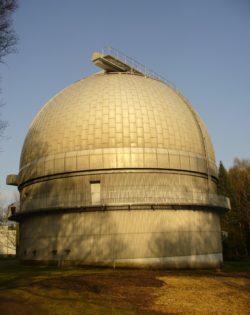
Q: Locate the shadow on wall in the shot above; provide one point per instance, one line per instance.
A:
(59, 236)
(92, 237)
(82, 238)
(190, 239)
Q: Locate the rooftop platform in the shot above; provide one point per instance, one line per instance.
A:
(113, 60)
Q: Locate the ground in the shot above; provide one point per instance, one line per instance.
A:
(33, 290)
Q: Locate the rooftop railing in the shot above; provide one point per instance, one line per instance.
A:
(134, 64)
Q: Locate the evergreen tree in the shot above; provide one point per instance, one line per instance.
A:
(240, 178)
(234, 245)
(224, 185)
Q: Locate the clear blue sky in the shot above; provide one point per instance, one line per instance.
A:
(203, 46)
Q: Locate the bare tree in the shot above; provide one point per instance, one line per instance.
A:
(8, 39)
(3, 125)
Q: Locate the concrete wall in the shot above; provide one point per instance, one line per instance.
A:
(141, 238)
(7, 241)
(118, 187)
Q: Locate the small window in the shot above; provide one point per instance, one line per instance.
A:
(95, 192)
(54, 252)
(34, 252)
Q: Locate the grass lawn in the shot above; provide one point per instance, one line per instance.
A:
(31, 290)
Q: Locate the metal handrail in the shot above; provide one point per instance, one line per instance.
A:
(108, 50)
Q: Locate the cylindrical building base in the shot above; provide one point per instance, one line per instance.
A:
(124, 238)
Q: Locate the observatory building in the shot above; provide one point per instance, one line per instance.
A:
(118, 169)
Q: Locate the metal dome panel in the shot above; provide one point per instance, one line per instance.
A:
(116, 121)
